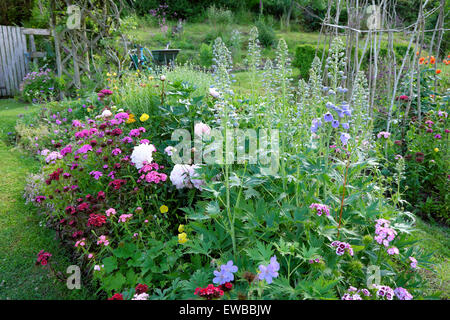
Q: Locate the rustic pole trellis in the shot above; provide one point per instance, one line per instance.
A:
(356, 11)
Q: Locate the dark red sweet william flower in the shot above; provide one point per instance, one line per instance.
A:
(43, 257)
(96, 220)
(209, 293)
(117, 296)
(141, 288)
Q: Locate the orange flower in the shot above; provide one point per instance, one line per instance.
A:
(432, 60)
(417, 53)
(438, 71)
(421, 60)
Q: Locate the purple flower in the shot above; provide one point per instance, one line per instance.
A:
(116, 151)
(335, 124)
(345, 125)
(403, 294)
(96, 174)
(270, 271)
(328, 117)
(226, 273)
(438, 136)
(344, 138)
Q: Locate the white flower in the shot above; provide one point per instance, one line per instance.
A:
(162, 78)
(214, 93)
(142, 296)
(182, 176)
(142, 153)
(201, 128)
(106, 114)
(98, 267)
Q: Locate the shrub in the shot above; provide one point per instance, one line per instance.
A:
(304, 56)
(205, 55)
(266, 33)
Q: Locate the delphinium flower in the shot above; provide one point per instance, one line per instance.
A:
(320, 208)
(403, 294)
(270, 271)
(344, 138)
(142, 154)
(209, 293)
(384, 234)
(384, 292)
(226, 273)
(342, 247)
(315, 124)
(328, 117)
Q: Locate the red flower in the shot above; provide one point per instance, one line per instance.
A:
(43, 257)
(101, 195)
(96, 220)
(117, 296)
(210, 292)
(141, 288)
(70, 210)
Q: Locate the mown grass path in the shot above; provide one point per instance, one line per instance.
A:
(21, 236)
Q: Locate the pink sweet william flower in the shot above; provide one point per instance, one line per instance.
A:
(342, 247)
(383, 134)
(121, 116)
(320, 208)
(393, 250)
(80, 243)
(102, 240)
(110, 211)
(125, 217)
(116, 151)
(413, 262)
(96, 174)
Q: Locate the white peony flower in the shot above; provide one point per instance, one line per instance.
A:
(183, 176)
(201, 128)
(142, 153)
(106, 114)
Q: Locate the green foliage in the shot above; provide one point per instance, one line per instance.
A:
(205, 55)
(266, 33)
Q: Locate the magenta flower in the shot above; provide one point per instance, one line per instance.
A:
(96, 174)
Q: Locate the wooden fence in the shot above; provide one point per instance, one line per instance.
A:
(14, 56)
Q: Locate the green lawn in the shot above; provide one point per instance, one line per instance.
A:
(22, 234)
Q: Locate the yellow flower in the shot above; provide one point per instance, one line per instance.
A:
(181, 228)
(114, 74)
(150, 78)
(89, 109)
(131, 118)
(163, 209)
(144, 117)
(182, 238)
(436, 149)
(108, 74)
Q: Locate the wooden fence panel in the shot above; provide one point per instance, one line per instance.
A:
(13, 60)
